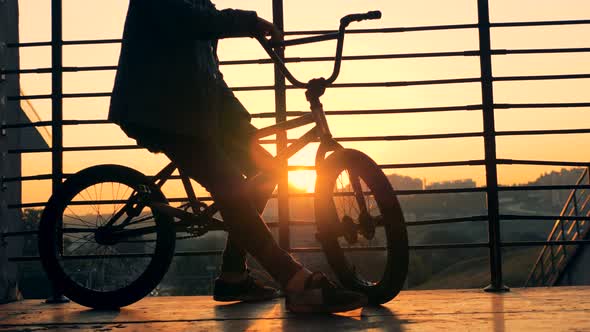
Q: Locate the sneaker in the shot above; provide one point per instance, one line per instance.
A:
(320, 295)
(248, 290)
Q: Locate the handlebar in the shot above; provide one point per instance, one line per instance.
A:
(344, 22)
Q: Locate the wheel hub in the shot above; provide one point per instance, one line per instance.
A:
(367, 226)
(349, 229)
(105, 236)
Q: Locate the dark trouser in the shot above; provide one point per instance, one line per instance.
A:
(221, 165)
(222, 175)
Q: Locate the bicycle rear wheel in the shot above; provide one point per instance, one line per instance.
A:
(86, 240)
(361, 225)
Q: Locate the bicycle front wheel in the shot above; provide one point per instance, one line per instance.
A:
(361, 225)
(99, 241)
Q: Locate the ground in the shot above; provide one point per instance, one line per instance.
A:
(529, 309)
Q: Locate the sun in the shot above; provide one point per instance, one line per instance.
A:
(303, 180)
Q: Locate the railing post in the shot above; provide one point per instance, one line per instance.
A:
(281, 115)
(485, 59)
(56, 111)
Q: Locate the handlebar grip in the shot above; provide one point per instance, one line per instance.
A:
(372, 15)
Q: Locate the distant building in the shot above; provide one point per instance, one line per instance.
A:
(465, 183)
(401, 182)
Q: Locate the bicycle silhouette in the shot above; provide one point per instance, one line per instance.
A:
(115, 257)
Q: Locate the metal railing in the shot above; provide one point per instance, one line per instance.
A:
(487, 107)
(573, 225)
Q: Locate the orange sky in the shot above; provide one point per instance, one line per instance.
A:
(104, 19)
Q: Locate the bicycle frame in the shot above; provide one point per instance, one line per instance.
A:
(202, 215)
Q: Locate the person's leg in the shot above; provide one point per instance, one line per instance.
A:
(212, 169)
(234, 139)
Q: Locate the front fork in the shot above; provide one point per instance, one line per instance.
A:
(329, 144)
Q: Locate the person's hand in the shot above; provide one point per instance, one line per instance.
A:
(266, 28)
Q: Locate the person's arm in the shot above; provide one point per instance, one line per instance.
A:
(208, 23)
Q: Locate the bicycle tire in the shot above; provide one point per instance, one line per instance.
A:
(394, 238)
(60, 232)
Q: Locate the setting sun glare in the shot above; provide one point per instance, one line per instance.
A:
(303, 180)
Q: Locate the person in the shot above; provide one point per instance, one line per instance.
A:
(170, 96)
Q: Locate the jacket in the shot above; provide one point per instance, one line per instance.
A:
(168, 67)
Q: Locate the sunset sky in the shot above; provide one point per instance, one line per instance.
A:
(99, 19)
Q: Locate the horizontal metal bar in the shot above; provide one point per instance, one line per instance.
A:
(87, 95)
(330, 58)
(435, 164)
(351, 31)
(71, 69)
(531, 217)
(289, 33)
(262, 61)
(363, 112)
(408, 137)
(318, 249)
(179, 254)
(357, 57)
(13, 234)
(28, 44)
(21, 151)
(412, 165)
(49, 123)
(269, 141)
(542, 132)
(312, 224)
(541, 50)
(440, 191)
(26, 205)
(541, 162)
(272, 87)
(293, 168)
(293, 250)
(397, 192)
(406, 83)
(28, 178)
(537, 23)
(542, 105)
(447, 221)
(544, 243)
(27, 97)
(540, 77)
(269, 115)
(386, 30)
(553, 187)
(450, 246)
(78, 149)
(414, 247)
(91, 42)
(310, 39)
(272, 115)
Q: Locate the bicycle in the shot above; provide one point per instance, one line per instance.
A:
(133, 246)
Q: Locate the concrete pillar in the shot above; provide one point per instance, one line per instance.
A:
(10, 165)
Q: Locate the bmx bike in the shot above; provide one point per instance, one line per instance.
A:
(107, 236)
